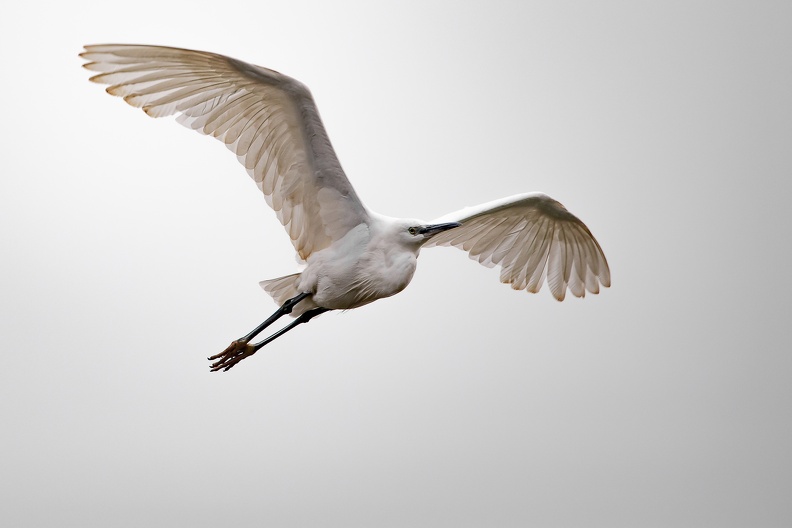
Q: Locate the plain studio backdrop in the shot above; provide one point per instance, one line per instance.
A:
(132, 248)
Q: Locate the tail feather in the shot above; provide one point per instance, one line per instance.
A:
(284, 288)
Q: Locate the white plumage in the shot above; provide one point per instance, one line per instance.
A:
(531, 236)
(352, 255)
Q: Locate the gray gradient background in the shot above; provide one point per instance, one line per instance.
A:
(132, 250)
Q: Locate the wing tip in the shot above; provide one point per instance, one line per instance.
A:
(559, 296)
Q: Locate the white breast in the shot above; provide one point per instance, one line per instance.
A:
(359, 269)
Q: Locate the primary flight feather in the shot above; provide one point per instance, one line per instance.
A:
(352, 255)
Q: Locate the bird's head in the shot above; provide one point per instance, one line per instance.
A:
(416, 233)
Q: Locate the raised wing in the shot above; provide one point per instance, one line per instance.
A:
(267, 119)
(531, 237)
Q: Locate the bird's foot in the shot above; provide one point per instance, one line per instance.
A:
(236, 352)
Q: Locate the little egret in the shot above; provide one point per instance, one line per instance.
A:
(351, 255)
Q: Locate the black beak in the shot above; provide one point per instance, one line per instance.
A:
(433, 229)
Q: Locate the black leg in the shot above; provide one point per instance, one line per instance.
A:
(287, 308)
(241, 348)
(304, 318)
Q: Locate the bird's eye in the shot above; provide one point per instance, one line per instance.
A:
(413, 231)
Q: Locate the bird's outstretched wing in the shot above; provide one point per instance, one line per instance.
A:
(267, 119)
(532, 237)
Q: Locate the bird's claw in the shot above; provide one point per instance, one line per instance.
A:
(236, 352)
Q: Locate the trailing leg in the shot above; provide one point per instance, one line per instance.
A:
(304, 318)
(286, 309)
(241, 348)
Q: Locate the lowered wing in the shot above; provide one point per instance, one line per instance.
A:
(532, 238)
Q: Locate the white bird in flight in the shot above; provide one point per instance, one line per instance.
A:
(352, 256)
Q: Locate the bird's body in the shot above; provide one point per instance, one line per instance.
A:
(352, 256)
(363, 266)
